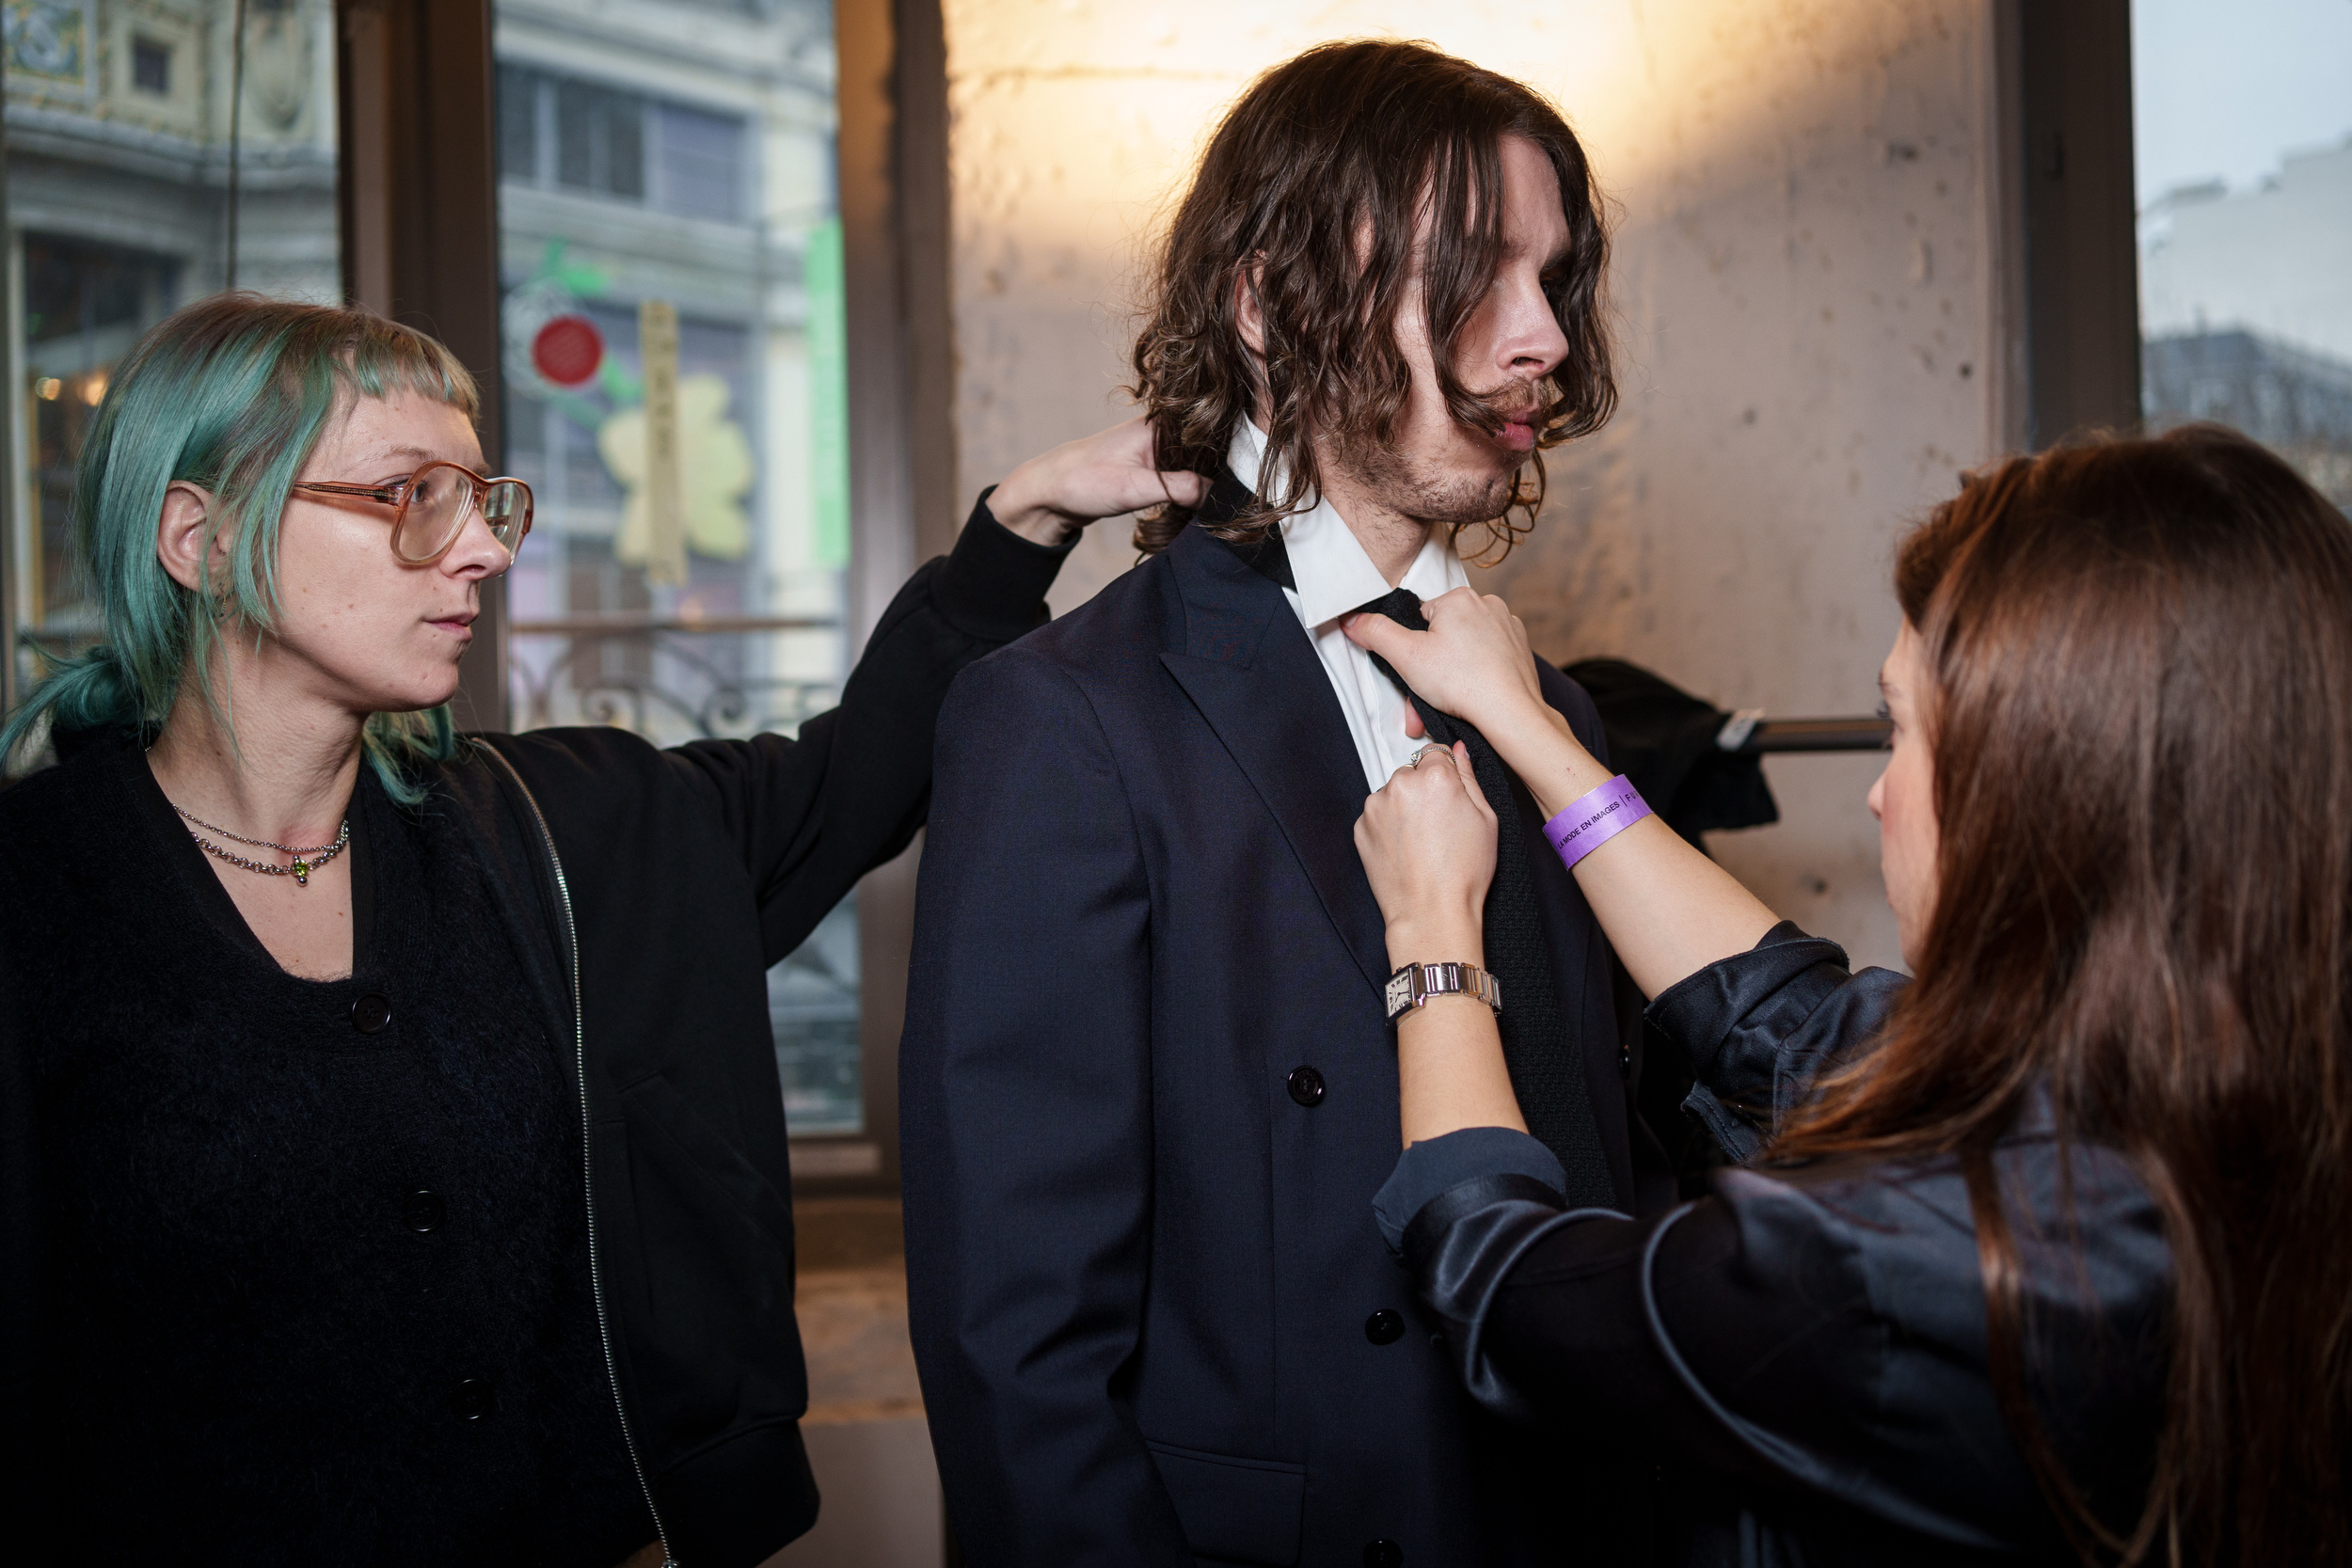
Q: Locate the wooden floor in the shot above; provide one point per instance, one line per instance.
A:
(866, 1437)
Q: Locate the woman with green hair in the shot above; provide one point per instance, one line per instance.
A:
(392, 1163)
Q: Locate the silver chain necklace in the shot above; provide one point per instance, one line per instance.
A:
(306, 861)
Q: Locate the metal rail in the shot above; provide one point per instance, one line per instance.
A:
(1769, 735)
(626, 624)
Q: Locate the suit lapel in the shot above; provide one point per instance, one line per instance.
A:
(1247, 666)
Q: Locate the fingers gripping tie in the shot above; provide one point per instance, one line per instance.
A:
(1539, 1048)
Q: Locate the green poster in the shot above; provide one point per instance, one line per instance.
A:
(829, 394)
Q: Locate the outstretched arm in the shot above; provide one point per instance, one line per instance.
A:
(813, 814)
(1668, 911)
(1775, 1004)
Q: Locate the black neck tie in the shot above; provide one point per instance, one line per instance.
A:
(1547, 1064)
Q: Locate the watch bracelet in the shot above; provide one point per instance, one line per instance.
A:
(1411, 986)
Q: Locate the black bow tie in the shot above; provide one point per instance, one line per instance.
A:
(1547, 1064)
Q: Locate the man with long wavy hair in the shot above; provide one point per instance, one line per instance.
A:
(1149, 1084)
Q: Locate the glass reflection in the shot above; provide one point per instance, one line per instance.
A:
(2243, 137)
(671, 254)
(139, 181)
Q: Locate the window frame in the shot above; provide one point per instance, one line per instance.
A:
(417, 198)
(2066, 220)
(431, 159)
(12, 402)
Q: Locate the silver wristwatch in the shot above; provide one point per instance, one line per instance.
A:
(1415, 984)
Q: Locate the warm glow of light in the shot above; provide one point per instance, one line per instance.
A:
(47, 387)
(94, 388)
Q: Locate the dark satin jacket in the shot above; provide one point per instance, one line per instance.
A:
(1803, 1348)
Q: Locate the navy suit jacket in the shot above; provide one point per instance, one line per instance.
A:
(1148, 1093)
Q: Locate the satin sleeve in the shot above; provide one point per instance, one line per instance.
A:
(1805, 1333)
(1737, 1338)
(1759, 1027)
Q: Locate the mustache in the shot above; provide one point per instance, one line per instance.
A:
(1538, 404)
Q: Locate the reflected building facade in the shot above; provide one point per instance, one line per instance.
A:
(121, 121)
(2246, 317)
(670, 252)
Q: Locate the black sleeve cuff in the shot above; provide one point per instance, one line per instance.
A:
(992, 583)
(1745, 1002)
(1432, 1165)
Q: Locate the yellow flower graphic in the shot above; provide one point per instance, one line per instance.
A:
(714, 471)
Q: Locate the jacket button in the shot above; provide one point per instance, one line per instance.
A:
(1384, 1327)
(472, 1400)
(1306, 1085)
(423, 1210)
(371, 1013)
(1383, 1553)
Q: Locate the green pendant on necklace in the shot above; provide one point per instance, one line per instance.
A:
(306, 860)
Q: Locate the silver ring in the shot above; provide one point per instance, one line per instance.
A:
(1423, 753)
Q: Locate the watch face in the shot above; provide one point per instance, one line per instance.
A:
(1400, 993)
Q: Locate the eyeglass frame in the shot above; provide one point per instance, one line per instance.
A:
(397, 494)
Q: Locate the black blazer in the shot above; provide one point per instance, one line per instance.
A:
(1148, 1092)
(1807, 1347)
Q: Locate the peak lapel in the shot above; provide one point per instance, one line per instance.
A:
(1248, 668)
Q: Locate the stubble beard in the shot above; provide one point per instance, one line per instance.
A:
(1423, 492)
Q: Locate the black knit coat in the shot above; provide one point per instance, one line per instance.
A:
(297, 1271)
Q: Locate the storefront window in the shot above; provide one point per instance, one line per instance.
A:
(137, 182)
(669, 250)
(2243, 138)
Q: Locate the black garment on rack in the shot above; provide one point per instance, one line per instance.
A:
(1662, 740)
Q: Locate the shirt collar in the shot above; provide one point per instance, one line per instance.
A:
(1331, 572)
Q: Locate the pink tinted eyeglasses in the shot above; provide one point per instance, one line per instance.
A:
(431, 506)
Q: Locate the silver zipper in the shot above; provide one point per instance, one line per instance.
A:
(579, 1060)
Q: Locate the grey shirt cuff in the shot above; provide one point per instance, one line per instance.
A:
(1435, 1164)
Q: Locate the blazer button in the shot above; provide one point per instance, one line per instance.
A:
(472, 1400)
(423, 1210)
(371, 1013)
(1383, 1553)
(1384, 1327)
(1306, 1085)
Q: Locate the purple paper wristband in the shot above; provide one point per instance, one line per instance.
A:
(1594, 820)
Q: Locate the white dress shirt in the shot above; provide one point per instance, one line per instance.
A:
(1334, 576)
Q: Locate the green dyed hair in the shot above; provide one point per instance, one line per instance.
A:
(231, 394)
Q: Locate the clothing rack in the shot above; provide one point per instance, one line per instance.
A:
(1748, 733)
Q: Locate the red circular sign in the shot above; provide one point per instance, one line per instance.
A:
(567, 350)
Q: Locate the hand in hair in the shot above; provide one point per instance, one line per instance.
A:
(1056, 493)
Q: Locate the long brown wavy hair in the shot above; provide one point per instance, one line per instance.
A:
(1325, 176)
(2139, 659)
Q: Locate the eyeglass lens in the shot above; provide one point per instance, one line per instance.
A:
(440, 500)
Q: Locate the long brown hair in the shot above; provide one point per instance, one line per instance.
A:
(1323, 177)
(2139, 659)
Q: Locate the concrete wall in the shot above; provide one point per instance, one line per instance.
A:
(1802, 273)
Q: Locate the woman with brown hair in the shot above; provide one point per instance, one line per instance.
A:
(2041, 1252)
